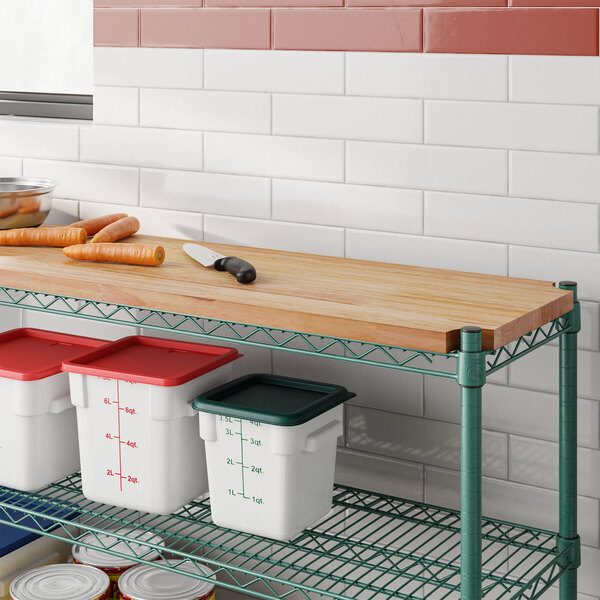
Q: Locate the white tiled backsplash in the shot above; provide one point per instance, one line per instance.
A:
(479, 163)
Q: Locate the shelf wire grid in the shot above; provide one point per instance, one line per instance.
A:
(369, 547)
(395, 357)
(526, 343)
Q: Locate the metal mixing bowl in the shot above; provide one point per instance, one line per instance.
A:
(24, 201)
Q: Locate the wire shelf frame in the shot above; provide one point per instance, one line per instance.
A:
(527, 343)
(394, 357)
(370, 546)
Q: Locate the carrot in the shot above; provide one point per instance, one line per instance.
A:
(29, 207)
(29, 204)
(6, 212)
(130, 254)
(117, 231)
(44, 236)
(93, 226)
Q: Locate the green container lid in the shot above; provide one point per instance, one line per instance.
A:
(272, 399)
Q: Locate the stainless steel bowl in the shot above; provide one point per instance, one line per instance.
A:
(24, 201)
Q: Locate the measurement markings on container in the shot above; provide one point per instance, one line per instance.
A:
(241, 461)
(247, 460)
(132, 444)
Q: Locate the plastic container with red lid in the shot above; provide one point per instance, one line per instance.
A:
(38, 430)
(137, 429)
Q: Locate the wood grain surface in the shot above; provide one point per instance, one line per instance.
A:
(399, 305)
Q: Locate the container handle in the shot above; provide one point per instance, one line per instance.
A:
(322, 436)
(60, 404)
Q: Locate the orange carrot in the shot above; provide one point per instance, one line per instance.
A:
(43, 236)
(117, 231)
(6, 212)
(93, 226)
(29, 207)
(130, 254)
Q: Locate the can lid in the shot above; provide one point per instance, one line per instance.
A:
(29, 354)
(152, 360)
(147, 582)
(60, 582)
(96, 557)
(272, 399)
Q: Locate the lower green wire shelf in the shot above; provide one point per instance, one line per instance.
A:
(370, 546)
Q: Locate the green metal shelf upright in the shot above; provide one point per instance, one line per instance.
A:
(370, 546)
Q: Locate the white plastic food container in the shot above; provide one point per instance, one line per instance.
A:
(137, 430)
(152, 583)
(115, 566)
(38, 431)
(61, 582)
(270, 449)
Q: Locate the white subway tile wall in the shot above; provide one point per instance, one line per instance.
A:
(116, 105)
(479, 163)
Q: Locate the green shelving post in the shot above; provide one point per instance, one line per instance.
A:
(567, 529)
(471, 378)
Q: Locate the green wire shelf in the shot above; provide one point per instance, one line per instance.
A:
(393, 357)
(370, 546)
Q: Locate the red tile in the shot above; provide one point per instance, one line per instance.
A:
(206, 28)
(512, 31)
(426, 3)
(146, 3)
(386, 29)
(560, 3)
(118, 27)
(269, 3)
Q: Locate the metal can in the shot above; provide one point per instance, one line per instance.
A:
(61, 582)
(115, 566)
(153, 583)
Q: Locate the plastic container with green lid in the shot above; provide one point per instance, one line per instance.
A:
(270, 450)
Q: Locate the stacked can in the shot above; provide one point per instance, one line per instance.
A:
(156, 583)
(61, 582)
(114, 566)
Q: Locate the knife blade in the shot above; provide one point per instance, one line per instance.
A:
(244, 272)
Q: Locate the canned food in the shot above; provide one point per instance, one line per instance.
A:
(61, 582)
(152, 583)
(115, 566)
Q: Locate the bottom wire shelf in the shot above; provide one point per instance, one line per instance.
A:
(370, 546)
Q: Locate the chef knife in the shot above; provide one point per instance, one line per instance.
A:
(244, 272)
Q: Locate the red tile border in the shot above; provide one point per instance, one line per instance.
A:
(116, 27)
(274, 3)
(427, 3)
(559, 31)
(364, 25)
(206, 28)
(147, 3)
(556, 3)
(388, 29)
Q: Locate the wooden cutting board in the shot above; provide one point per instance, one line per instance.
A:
(399, 305)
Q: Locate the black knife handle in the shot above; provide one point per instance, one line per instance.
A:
(244, 272)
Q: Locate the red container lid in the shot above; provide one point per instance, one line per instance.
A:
(29, 354)
(151, 360)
